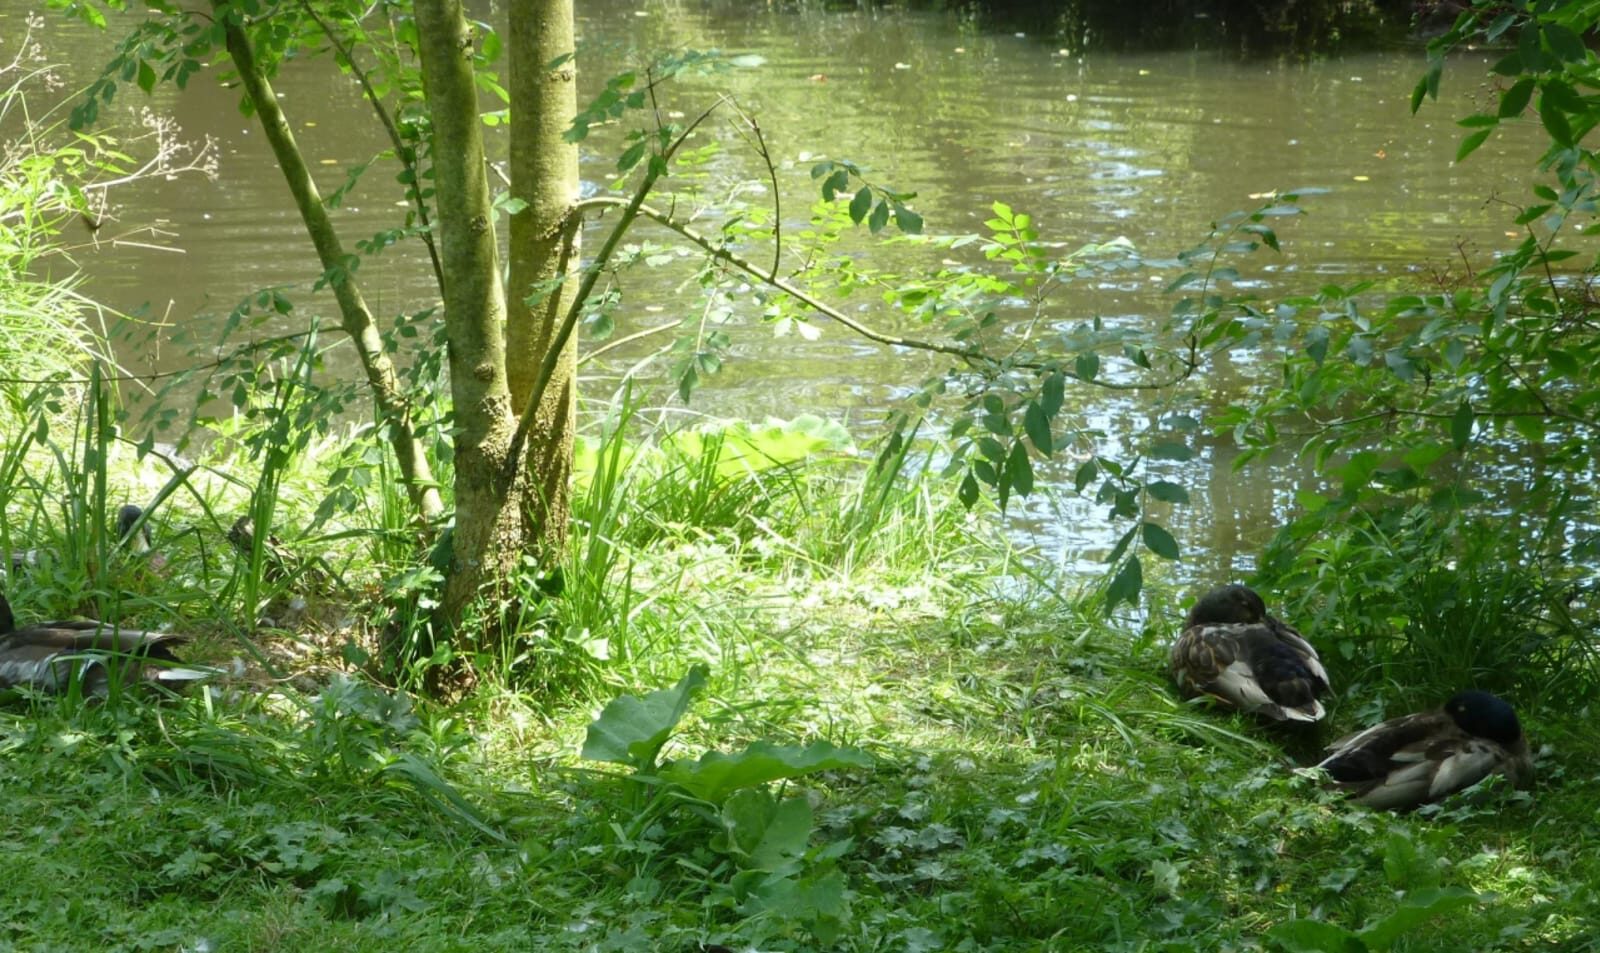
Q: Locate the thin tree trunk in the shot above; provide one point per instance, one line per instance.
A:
(393, 409)
(488, 537)
(544, 174)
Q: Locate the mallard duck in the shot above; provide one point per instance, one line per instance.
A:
(1408, 761)
(135, 541)
(1232, 649)
(49, 655)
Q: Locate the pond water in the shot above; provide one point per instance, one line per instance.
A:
(1152, 147)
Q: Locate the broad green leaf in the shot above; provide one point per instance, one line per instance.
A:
(1314, 936)
(1514, 100)
(1087, 366)
(1159, 541)
(861, 204)
(631, 730)
(1554, 121)
(879, 217)
(762, 832)
(1565, 44)
(907, 221)
(716, 775)
(1418, 907)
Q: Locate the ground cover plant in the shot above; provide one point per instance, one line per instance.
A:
(1002, 767)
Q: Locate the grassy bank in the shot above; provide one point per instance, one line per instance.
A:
(1034, 783)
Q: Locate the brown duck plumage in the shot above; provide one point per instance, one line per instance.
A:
(49, 655)
(1232, 649)
(1407, 761)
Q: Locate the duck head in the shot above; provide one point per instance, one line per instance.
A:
(1228, 604)
(1485, 715)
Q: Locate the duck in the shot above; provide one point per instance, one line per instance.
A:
(48, 656)
(1232, 649)
(131, 532)
(1409, 761)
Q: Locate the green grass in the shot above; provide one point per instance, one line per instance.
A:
(1037, 784)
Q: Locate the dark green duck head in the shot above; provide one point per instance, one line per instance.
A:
(1231, 604)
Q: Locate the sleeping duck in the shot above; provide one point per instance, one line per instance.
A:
(1408, 761)
(49, 655)
(1233, 650)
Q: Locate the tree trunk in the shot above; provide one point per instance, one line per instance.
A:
(488, 537)
(544, 174)
(393, 409)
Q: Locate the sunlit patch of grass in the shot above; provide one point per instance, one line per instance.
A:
(1038, 784)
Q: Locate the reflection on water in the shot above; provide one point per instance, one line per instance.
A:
(1152, 147)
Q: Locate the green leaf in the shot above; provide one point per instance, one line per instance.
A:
(1087, 366)
(1087, 471)
(1050, 397)
(1470, 144)
(1514, 100)
(1159, 541)
(631, 730)
(715, 775)
(1418, 907)
(1167, 492)
(907, 221)
(763, 833)
(1554, 121)
(879, 217)
(1020, 469)
(1037, 426)
(1314, 936)
(1565, 44)
(1125, 586)
(1461, 426)
(147, 76)
(967, 493)
(861, 204)
(1171, 450)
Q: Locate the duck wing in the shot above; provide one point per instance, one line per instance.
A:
(1408, 761)
(48, 656)
(1252, 667)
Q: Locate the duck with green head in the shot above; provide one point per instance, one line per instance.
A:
(1232, 649)
(1408, 761)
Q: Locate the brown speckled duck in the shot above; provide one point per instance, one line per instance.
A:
(1408, 761)
(1233, 650)
(49, 655)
